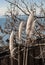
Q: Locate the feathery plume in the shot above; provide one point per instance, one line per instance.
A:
(29, 23)
(11, 43)
(32, 28)
(20, 29)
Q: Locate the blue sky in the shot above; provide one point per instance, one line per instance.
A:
(4, 5)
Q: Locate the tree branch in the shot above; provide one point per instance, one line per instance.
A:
(26, 6)
(18, 7)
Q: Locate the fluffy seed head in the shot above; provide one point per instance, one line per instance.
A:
(11, 43)
(29, 23)
(32, 28)
(20, 29)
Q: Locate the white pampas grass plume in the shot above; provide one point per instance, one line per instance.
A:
(29, 23)
(32, 28)
(20, 29)
(11, 43)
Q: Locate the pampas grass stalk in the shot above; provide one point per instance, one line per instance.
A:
(20, 29)
(29, 23)
(11, 46)
(26, 60)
